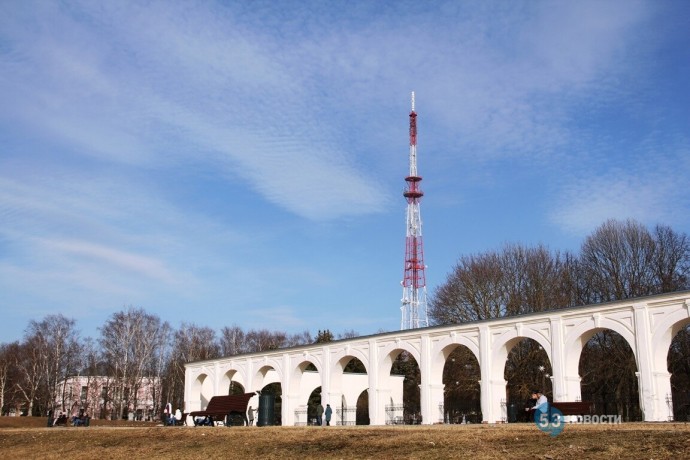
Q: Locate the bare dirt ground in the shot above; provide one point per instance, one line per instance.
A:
(28, 437)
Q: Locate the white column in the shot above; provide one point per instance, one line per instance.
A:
(191, 402)
(560, 389)
(663, 406)
(426, 392)
(383, 395)
(377, 413)
(493, 390)
(216, 380)
(329, 394)
(326, 371)
(435, 400)
(652, 402)
(335, 399)
(643, 338)
(287, 408)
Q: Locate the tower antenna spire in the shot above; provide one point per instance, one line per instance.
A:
(414, 308)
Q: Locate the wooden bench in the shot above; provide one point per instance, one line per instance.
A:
(222, 407)
(572, 407)
(568, 408)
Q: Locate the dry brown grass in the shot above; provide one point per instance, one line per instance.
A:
(27, 437)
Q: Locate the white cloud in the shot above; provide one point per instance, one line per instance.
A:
(103, 256)
(141, 142)
(647, 189)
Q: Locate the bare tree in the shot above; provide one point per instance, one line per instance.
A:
(301, 338)
(264, 339)
(472, 292)
(671, 259)
(190, 343)
(351, 334)
(63, 352)
(535, 279)
(232, 341)
(132, 341)
(496, 284)
(8, 375)
(29, 364)
(618, 261)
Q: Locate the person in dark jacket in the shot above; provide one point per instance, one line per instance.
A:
(328, 413)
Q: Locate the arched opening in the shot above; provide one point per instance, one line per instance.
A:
(312, 406)
(678, 361)
(405, 365)
(270, 405)
(235, 388)
(608, 371)
(354, 382)
(527, 369)
(202, 392)
(462, 393)
(305, 377)
(362, 416)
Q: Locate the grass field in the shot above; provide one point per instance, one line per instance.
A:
(28, 438)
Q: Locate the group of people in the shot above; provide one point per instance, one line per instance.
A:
(320, 412)
(60, 418)
(171, 418)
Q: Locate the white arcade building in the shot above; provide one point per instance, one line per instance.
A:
(648, 325)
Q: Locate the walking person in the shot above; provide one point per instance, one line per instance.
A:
(319, 415)
(328, 413)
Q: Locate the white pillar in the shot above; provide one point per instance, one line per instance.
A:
(377, 413)
(426, 391)
(662, 402)
(383, 395)
(573, 389)
(288, 398)
(435, 400)
(560, 389)
(216, 379)
(287, 410)
(652, 400)
(335, 399)
(493, 390)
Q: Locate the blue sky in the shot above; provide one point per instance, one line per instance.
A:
(243, 163)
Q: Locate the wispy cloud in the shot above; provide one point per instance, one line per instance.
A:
(646, 188)
(166, 150)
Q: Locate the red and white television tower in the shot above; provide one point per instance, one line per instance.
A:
(414, 280)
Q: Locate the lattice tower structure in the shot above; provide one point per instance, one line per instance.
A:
(414, 305)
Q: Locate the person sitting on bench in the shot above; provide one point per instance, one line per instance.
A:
(541, 404)
(203, 421)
